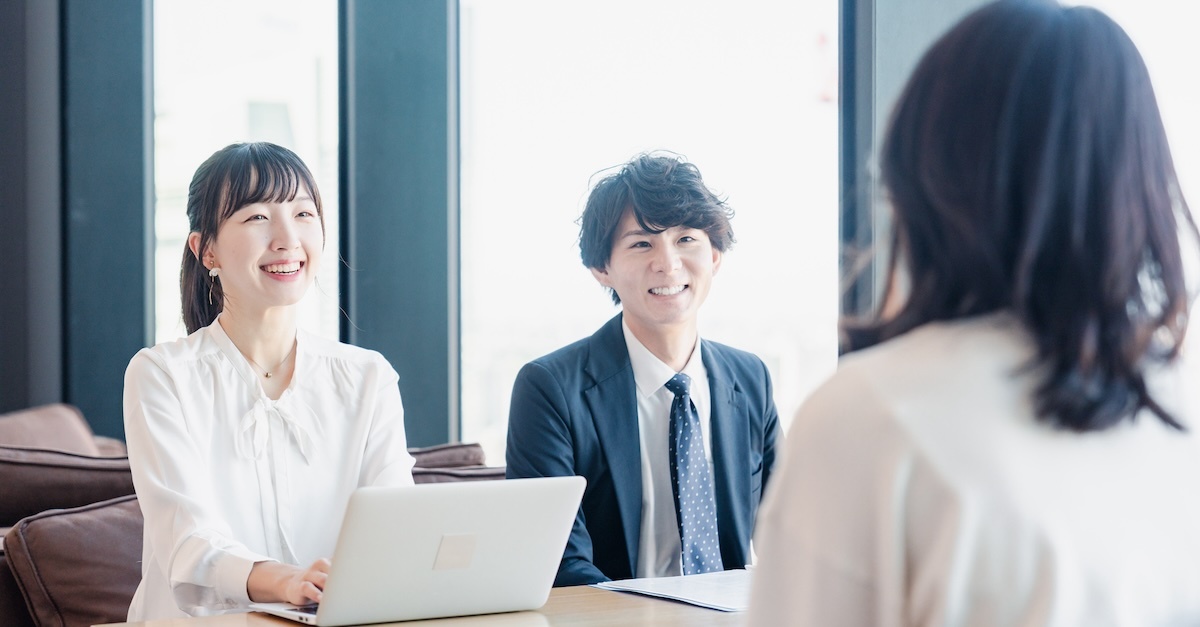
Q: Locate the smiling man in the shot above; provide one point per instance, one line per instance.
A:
(676, 436)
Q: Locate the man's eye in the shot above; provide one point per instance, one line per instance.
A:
(640, 245)
(687, 238)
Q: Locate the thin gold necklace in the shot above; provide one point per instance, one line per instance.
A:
(267, 373)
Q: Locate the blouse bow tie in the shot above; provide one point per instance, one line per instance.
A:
(255, 427)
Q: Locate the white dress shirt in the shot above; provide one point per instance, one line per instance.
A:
(918, 488)
(227, 477)
(659, 549)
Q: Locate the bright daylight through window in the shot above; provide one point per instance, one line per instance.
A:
(268, 75)
(553, 92)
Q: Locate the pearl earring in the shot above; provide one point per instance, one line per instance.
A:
(213, 272)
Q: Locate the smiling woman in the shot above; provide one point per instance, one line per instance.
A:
(267, 218)
(255, 216)
(266, 253)
(229, 429)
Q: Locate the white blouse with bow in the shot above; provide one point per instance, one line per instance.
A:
(227, 477)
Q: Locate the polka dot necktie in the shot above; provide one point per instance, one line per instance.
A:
(691, 485)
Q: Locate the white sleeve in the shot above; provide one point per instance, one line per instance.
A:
(830, 535)
(206, 568)
(387, 461)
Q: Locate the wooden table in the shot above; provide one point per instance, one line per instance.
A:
(578, 605)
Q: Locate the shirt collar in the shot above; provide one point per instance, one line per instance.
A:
(649, 372)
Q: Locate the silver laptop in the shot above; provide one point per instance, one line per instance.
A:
(444, 549)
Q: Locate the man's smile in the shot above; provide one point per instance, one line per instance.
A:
(668, 291)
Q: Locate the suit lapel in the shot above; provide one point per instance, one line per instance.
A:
(613, 405)
(731, 450)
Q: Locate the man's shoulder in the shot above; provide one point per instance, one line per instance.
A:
(572, 354)
(735, 358)
(601, 346)
(574, 359)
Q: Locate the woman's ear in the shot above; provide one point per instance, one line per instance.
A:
(193, 242)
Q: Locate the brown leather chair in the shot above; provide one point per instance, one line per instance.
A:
(77, 567)
(49, 458)
(58, 427)
(13, 612)
(461, 461)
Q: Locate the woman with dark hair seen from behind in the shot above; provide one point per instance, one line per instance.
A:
(247, 437)
(1016, 442)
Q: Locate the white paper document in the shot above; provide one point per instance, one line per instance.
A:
(726, 590)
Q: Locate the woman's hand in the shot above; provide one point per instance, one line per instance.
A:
(271, 582)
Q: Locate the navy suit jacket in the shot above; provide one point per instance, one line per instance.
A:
(574, 412)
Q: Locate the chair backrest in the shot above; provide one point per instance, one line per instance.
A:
(452, 455)
(32, 481)
(50, 458)
(457, 461)
(56, 427)
(472, 473)
(78, 567)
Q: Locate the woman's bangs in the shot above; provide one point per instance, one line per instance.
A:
(262, 176)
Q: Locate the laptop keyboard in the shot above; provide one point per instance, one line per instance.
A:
(308, 609)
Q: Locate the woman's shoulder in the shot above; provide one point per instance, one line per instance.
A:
(923, 382)
(192, 347)
(345, 355)
(967, 350)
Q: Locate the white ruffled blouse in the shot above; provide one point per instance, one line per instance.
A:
(227, 477)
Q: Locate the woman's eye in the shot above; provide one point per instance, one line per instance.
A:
(640, 245)
(257, 216)
(687, 238)
(306, 214)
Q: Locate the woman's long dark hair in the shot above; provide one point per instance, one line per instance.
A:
(233, 177)
(1029, 171)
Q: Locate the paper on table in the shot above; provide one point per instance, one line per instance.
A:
(726, 590)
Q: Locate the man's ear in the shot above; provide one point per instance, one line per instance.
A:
(602, 277)
(717, 257)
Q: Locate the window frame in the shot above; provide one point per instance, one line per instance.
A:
(399, 194)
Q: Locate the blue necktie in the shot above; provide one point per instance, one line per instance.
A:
(691, 485)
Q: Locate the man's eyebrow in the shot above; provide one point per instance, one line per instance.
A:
(635, 233)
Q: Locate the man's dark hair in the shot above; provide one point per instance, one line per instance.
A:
(1028, 169)
(662, 192)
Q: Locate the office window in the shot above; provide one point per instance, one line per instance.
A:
(552, 92)
(227, 71)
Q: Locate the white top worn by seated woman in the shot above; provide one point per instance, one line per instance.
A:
(226, 477)
(918, 489)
